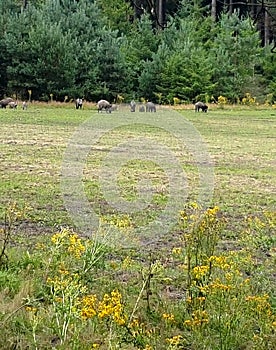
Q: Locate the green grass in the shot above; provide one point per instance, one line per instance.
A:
(241, 144)
(209, 283)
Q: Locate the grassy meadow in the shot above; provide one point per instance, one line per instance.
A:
(209, 283)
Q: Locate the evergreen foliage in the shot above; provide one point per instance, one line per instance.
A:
(103, 49)
(268, 73)
(236, 52)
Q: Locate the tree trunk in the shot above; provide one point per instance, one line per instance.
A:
(230, 7)
(253, 8)
(266, 28)
(214, 10)
(160, 11)
(138, 8)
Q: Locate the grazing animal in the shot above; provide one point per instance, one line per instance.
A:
(13, 104)
(202, 106)
(103, 104)
(114, 108)
(5, 102)
(141, 109)
(79, 103)
(150, 107)
(24, 105)
(132, 106)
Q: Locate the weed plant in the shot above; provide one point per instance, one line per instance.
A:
(70, 292)
(211, 285)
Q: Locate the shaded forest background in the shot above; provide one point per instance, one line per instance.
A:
(162, 50)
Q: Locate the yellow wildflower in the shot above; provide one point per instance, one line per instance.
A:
(183, 215)
(168, 317)
(89, 307)
(75, 245)
(260, 303)
(148, 347)
(221, 262)
(199, 317)
(218, 285)
(200, 271)
(177, 250)
(174, 340)
(31, 309)
(126, 262)
(201, 299)
(111, 306)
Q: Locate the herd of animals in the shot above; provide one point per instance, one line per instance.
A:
(9, 102)
(103, 105)
(108, 107)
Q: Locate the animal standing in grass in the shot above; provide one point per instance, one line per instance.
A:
(202, 106)
(132, 106)
(150, 107)
(24, 105)
(79, 103)
(12, 105)
(5, 102)
(104, 105)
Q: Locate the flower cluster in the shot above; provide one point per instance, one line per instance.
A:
(200, 271)
(139, 330)
(220, 261)
(31, 309)
(168, 317)
(121, 222)
(147, 347)
(209, 220)
(109, 307)
(196, 223)
(66, 285)
(199, 317)
(127, 263)
(248, 99)
(174, 341)
(260, 304)
(177, 250)
(89, 306)
(70, 241)
(136, 327)
(222, 100)
(217, 285)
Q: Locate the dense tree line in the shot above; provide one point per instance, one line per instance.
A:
(158, 50)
